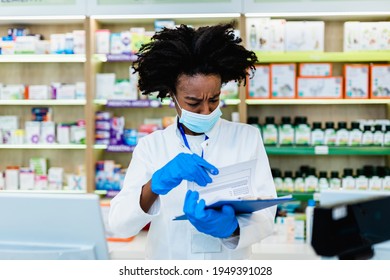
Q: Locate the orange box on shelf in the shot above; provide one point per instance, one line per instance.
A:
(320, 87)
(283, 80)
(259, 86)
(315, 69)
(380, 81)
(356, 81)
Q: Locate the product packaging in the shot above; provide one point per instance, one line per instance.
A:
(229, 90)
(33, 132)
(305, 36)
(259, 85)
(352, 36)
(324, 87)
(315, 69)
(264, 34)
(37, 92)
(39, 165)
(370, 36)
(105, 85)
(356, 80)
(380, 81)
(102, 37)
(48, 134)
(26, 177)
(283, 82)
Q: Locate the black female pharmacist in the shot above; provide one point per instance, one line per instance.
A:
(190, 65)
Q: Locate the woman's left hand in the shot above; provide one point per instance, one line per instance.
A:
(218, 223)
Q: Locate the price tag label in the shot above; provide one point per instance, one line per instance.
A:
(321, 150)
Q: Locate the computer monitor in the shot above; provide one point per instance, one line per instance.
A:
(47, 226)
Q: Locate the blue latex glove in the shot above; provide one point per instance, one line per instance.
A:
(190, 167)
(218, 223)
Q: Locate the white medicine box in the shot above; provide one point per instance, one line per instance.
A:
(265, 34)
(380, 81)
(321, 87)
(352, 36)
(315, 69)
(305, 36)
(283, 80)
(384, 36)
(259, 85)
(370, 36)
(356, 80)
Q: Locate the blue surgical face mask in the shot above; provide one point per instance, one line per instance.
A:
(199, 123)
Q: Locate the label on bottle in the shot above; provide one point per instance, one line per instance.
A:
(348, 183)
(299, 184)
(386, 183)
(270, 134)
(278, 183)
(386, 140)
(302, 134)
(361, 183)
(288, 184)
(375, 183)
(317, 137)
(323, 184)
(367, 138)
(311, 183)
(355, 137)
(378, 138)
(335, 183)
(330, 137)
(286, 134)
(342, 137)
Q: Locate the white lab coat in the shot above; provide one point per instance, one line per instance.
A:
(229, 143)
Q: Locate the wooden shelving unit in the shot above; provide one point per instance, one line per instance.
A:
(44, 69)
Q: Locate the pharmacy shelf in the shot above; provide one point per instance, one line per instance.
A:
(45, 191)
(115, 57)
(43, 147)
(146, 103)
(26, 58)
(141, 103)
(327, 150)
(300, 196)
(52, 102)
(316, 101)
(107, 193)
(292, 57)
(115, 148)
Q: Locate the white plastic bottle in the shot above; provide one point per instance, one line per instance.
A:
(309, 219)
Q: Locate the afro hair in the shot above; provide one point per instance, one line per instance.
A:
(185, 50)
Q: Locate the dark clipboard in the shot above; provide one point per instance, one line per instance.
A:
(242, 206)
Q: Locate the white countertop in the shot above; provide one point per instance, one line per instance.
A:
(270, 249)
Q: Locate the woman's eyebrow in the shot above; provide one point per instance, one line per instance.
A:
(200, 99)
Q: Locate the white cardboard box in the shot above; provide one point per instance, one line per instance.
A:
(380, 81)
(370, 36)
(37, 92)
(320, 87)
(259, 85)
(283, 80)
(105, 85)
(102, 37)
(384, 36)
(264, 34)
(352, 36)
(356, 81)
(315, 69)
(305, 36)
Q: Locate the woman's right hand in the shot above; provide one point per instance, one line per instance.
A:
(190, 167)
